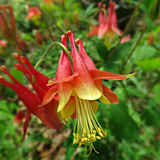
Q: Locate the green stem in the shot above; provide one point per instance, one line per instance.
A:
(126, 29)
(133, 49)
(11, 32)
(50, 47)
(52, 20)
(40, 61)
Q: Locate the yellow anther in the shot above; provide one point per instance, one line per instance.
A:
(99, 130)
(74, 141)
(92, 135)
(80, 144)
(83, 139)
(74, 134)
(93, 139)
(101, 135)
(89, 136)
(84, 143)
(98, 137)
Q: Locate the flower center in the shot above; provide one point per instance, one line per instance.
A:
(87, 128)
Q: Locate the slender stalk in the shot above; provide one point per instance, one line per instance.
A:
(43, 11)
(24, 54)
(50, 47)
(126, 29)
(133, 49)
(46, 23)
(40, 61)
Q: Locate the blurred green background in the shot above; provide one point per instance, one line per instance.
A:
(132, 126)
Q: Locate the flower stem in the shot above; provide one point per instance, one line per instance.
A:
(50, 47)
(24, 54)
(43, 11)
(40, 61)
(126, 29)
(133, 49)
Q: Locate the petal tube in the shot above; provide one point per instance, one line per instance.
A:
(64, 71)
(97, 74)
(40, 78)
(83, 84)
(69, 108)
(86, 59)
(26, 123)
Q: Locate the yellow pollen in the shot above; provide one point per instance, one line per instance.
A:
(87, 128)
(22, 61)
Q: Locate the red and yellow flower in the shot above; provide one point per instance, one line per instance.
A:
(78, 85)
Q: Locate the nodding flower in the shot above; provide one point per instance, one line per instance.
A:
(33, 13)
(12, 23)
(107, 27)
(47, 113)
(79, 86)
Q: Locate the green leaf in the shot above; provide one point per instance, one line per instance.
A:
(121, 123)
(150, 64)
(147, 52)
(102, 50)
(151, 115)
(150, 25)
(121, 52)
(90, 10)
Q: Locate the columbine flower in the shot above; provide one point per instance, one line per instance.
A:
(107, 28)
(101, 19)
(47, 114)
(33, 13)
(78, 90)
(12, 22)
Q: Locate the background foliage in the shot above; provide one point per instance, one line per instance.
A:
(133, 125)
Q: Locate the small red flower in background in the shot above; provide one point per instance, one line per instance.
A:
(12, 23)
(125, 39)
(33, 13)
(3, 43)
(19, 117)
(101, 19)
(107, 28)
(47, 114)
(150, 39)
(79, 85)
(38, 37)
